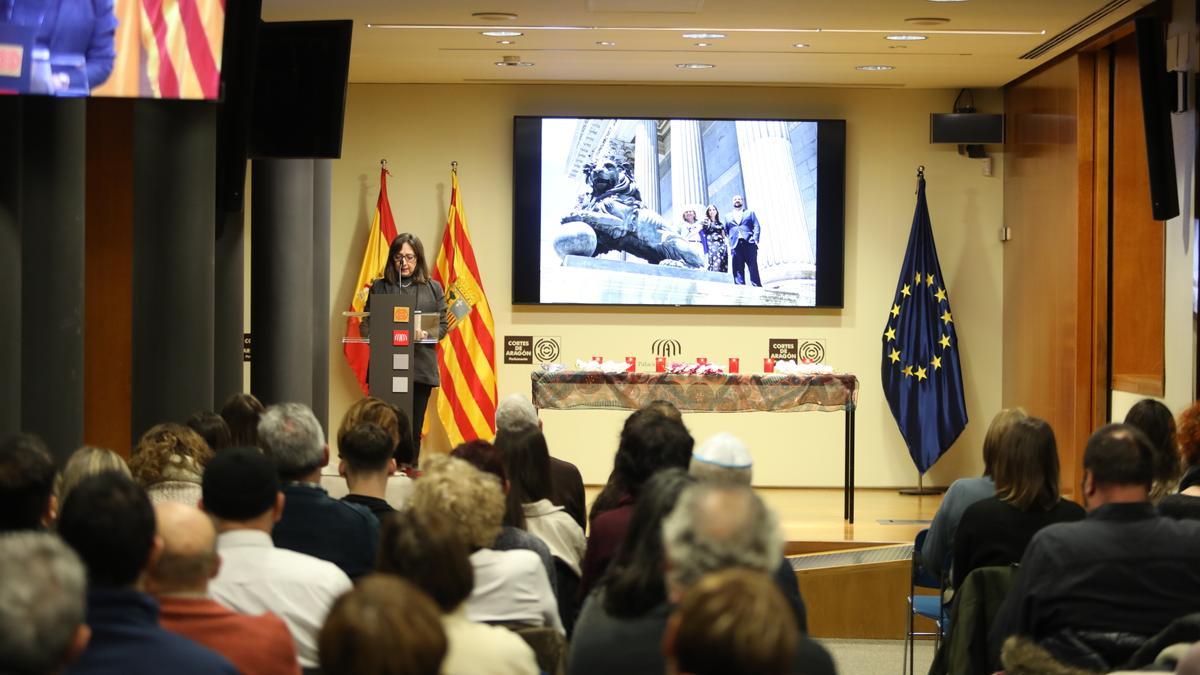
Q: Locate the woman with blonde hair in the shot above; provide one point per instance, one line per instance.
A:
(510, 586)
(168, 462)
(84, 462)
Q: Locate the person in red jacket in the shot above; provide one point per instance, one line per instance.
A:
(257, 645)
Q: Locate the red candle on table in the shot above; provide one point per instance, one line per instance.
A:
(631, 362)
(660, 364)
(768, 365)
(702, 360)
(733, 364)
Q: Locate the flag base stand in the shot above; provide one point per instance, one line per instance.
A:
(921, 490)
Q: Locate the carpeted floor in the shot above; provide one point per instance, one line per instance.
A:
(877, 657)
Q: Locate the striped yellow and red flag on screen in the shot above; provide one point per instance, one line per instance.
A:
(383, 231)
(467, 353)
(181, 44)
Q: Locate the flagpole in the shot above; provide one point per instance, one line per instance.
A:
(921, 490)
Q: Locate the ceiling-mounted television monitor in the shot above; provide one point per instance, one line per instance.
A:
(678, 212)
(118, 48)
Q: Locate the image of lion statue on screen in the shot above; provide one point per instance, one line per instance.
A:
(612, 217)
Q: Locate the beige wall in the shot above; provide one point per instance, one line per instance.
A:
(421, 128)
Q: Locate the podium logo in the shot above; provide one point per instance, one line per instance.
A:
(399, 338)
(518, 349)
(666, 347)
(812, 351)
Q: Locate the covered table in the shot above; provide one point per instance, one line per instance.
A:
(768, 392)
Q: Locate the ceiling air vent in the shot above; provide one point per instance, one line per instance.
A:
(1074, 29)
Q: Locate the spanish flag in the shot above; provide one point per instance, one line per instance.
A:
(467, 353)
(383, 231)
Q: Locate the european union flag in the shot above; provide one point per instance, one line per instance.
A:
(922, 378)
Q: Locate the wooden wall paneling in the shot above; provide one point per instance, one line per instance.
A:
(1047, 204)
(108, 311)
(1101, 236)
(1138, 242)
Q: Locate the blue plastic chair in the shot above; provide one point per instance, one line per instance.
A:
(928, 606)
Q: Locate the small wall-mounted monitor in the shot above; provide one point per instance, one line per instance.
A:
(966, 128)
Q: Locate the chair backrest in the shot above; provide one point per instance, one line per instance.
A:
(548, 645)
(922, 578)
(568, 594)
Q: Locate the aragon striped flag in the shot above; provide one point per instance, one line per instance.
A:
(466, 404)
(383, 231)
(181, 44)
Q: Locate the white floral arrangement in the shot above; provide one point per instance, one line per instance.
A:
(601, 367)
(694, 369)
(802, 368)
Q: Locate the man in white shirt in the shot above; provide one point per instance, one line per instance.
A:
(241, 493)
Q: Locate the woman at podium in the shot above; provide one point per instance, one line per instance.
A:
(407, 274)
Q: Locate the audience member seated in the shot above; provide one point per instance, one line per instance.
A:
(510, 586)
(1091, 591)
(734, 622)
(1155, 420)
(650, 441)
(527, 462)
(488, 459)
(84, 462)
(385, 626)
(42, 587)
(212, 428)
(725, 459)
(366, 464)
(168, 462)
(620, 627)
(939, 542)
(241, 412)
(1186, 503)
(996, 530)
(26, 484)
(422, 549)
(256, 645)
(109, 521)
(567, 483)
(241, 493)
(376, 411)
(314, 523)
(406, 447)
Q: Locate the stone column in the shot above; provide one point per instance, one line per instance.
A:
(322, 191)
(688, 185)
(281, 280)
(51, 220)
(645, 162)
(174, 211)
(785, 251)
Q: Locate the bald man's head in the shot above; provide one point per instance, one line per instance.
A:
(189, 557)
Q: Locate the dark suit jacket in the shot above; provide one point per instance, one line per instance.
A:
(567, 485)
(83, 28)
(126, 638)
(343, 533)
(748, 229)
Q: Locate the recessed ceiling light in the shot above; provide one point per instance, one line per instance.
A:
(505, 42)
(801, 45)
(693, 66)
(704, 36)
(927, 20)
(905, 38)
(494, 16)
(502, 33)
(606, 43)
(873, 68)
(703, 44)
(513, 62)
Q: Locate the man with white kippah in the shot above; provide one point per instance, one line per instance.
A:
(724, 458)
(565, 480)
